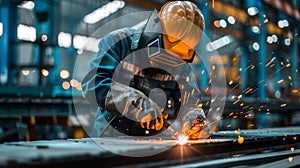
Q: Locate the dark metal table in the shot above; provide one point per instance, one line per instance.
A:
(262, 147)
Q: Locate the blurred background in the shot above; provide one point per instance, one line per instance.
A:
(42, 41)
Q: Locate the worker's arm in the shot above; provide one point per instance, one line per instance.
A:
(97, 81)
(97, 85)
(123, 100)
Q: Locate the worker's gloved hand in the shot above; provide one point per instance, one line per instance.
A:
(195, 125)
(126, 101)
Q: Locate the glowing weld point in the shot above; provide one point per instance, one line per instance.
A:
(182, 140)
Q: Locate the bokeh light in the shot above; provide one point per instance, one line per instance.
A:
(65, 85)
(64, 74)
(45, 72)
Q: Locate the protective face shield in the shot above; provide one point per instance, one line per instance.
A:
(158, 55)
(182, 24)
(152, 41)
(171, 35)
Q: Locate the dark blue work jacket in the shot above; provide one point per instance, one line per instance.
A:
(121, 59)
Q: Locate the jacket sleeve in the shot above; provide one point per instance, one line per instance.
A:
(98, 80)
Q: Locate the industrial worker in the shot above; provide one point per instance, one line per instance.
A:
(138, 73)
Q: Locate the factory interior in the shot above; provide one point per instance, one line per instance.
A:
(247, 73)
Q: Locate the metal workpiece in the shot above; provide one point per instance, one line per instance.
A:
(262, 146)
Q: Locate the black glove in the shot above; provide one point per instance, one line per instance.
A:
(195, 125)
(126, 101)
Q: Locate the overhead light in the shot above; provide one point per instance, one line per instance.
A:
(274, 38)
(223, 23)
(79, 51)
(216, 23)
(64, 74)
(79, 41)
(27, 5)
(255, 46)
(1, 28)
(219, 43)
(287, 42)
(27, 33)
(85, 43)
(65, 85)
(231, 20)
(269, 39)
(252, 11)
(283, 23)
(255, 29)
(92, 44)
(280, 24)
(25, 72)
(74, 82)
(44, 37)
(103, 11)
(64, 39)
(45, 72)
